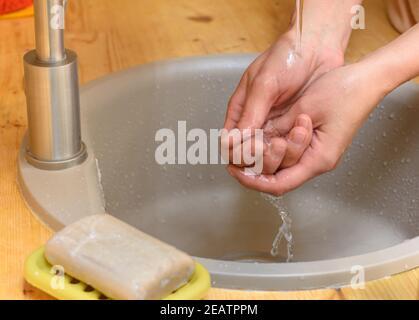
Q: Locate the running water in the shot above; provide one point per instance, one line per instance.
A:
(297, 50)
(284, 231)
(299, 9)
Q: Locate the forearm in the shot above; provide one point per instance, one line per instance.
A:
(394, 64)
(384, 70)
(327, 23)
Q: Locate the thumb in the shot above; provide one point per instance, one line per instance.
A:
(282, 125)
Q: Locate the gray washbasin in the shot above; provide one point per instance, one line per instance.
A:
(363, 214)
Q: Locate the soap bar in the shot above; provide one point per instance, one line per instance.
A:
(118, 260)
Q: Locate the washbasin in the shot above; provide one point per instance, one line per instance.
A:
(360, 221)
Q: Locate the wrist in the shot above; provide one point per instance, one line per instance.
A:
(367, 84)
(326, 23)
(322, 56)
(381, 73)
(396, 63)
(319, 39)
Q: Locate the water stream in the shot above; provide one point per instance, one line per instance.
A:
(284, 231)
(299, 9)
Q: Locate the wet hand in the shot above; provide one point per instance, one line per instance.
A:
(271, 83)
(337, 103)
(276, 78)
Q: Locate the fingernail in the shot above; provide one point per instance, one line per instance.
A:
(298, 137)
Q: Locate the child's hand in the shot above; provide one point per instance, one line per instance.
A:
(337, 103)
(294, 144)
(272, 82)
(280, 150)
(275, 78)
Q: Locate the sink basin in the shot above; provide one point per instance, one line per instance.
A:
(359, 222)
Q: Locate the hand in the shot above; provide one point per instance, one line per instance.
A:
(280, 74)
(277, 76)
(338, 103)
(273, 81)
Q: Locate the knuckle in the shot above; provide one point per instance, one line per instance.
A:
(265, 81)
(334, 59)
(231, 102)
(252, 71)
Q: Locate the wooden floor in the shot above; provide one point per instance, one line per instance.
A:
(112, 35)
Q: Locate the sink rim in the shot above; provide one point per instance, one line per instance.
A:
(259, 276)
(332, 273)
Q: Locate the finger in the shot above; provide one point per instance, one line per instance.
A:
(282, 125)
(237, 154)
(237, 100)
(263, 183)
(283, 182)
(274, 154)
(260, 98)
(299, 140)
(235, 142)
(235, 105)
(249, 151)
(294, 177)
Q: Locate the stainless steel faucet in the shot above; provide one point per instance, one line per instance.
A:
(52, 93)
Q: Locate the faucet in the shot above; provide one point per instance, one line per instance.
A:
(52, 93)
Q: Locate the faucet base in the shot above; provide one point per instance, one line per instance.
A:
(57, 165)
(61, 197)
(53, 105)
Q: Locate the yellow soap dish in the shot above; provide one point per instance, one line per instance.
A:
(40, 274)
